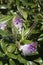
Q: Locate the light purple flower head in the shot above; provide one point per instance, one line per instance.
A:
(28, 49)
(18, 23)
(3, 25)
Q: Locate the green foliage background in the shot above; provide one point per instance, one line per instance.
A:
(31, 11)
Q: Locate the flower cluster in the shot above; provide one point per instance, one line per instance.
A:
(28, 49)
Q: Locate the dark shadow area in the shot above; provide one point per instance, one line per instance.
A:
(4, 60)
(17, 62)
(0, 36)
(4, 11)
(40, 49)
(32, 57)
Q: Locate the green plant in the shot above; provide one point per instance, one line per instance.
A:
(29, 13)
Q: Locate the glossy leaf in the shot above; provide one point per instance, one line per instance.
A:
(11, 48)
(39, 60)
(6, 64)
(3, 46)
(40, 39)
(31, 63)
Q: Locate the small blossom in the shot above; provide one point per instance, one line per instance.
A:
(18, 24)
(2, 25)
(28, 49)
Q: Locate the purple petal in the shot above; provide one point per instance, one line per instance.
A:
(18, 23)
(28, 49)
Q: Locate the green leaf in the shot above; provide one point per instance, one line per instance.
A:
(17, 2)
(23, 12)
(3, 46)
(14, 31)
(21, 59)
(11, 48)
(35, 31)
(39, 60)
(11, 62)
(1, 54)
(5, 18)
(41, 35)
(40, 39)
(26, 32)
(31, 63)
(2, 32)
(42, 27)
(10, 55)
(1, 63)
(24, 2)
(3, 7)
(41, 63)
(26, 41)
(10, 1)
(22, 34)
(6, 64)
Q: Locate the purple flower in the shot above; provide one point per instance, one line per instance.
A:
(28, 49)
(2, 25)
(18, 24)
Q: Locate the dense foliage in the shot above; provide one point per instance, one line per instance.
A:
(30, 12)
